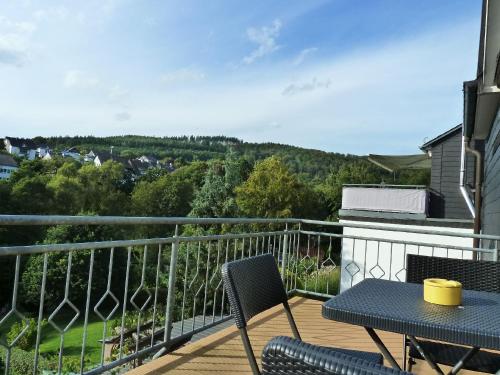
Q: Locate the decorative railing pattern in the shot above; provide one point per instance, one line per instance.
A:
(104, 304)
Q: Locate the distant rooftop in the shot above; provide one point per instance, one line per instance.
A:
(21, 142)
(7, 160)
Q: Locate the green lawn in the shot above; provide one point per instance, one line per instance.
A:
(49, 345)
(73, 340)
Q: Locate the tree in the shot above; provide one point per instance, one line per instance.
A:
(34, 168)
(236, 170)
(272, 191)
(193, 173)
(5, 190)
(101, 188)
(30, 196)
(166, 196)
(67, 190)
(214, 197)
(414, 177)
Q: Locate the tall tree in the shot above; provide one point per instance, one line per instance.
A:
(67, 190)
(102, 192)
(272, 191)
(212, 200)
(166, 196)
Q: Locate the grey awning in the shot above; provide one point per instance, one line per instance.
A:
(394, 163)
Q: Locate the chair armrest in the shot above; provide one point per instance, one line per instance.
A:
(287, 355)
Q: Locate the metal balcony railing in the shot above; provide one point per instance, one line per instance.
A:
(147, 296)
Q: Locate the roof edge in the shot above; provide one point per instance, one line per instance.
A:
(440, 137)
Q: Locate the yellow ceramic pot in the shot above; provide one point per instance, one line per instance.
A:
(443, 292)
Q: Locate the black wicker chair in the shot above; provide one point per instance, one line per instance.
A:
(285, 355)
(474, 275)
(254, 285)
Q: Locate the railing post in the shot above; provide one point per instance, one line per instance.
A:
(171, 286)
(284, 254)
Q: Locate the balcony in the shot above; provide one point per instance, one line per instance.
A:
(147, 303)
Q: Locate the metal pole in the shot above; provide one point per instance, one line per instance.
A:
(284, 253)
(171, 286)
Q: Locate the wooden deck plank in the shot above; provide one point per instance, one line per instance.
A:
(223, 352)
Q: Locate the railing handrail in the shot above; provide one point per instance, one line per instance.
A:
(72, 246)
(131, 220)
(26, 220)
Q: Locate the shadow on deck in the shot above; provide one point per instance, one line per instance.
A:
(223, 352)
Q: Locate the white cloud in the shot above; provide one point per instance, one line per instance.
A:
(303, 55)
(13, 50)
(79, 79)
(184, 75)
(15, 41)
(265, 38)
(17, 27)
(314, 84)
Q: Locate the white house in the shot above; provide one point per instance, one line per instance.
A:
(42, 151)
(21, 147)
(151, 160)
(71, 152)
(47, 156)
(101, 157)
(89, 158)
(7, 166)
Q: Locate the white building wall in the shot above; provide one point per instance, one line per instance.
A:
(6, 171)
(12, 149)
(368, 259)
(31, 154)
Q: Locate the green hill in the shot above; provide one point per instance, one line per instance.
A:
(309, 163)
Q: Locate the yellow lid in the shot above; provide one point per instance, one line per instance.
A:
(443, 283)
(443, 292)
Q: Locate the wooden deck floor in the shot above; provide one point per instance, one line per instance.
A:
(223, 353)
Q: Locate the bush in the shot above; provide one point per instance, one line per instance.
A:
(21, 362)
(27, 340)
(70, 364)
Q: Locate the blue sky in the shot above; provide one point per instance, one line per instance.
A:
(352, 76)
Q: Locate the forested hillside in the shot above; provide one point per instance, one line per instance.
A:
(311, 164)
(213, 177)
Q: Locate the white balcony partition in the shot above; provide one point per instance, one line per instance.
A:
(385, 199)
(385, 258)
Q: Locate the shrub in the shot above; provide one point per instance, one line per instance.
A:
(27, 340)
(21, 362)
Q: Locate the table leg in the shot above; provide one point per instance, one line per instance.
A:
(424, 354)
(383, 349)
(404, 353)
(463, 360)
